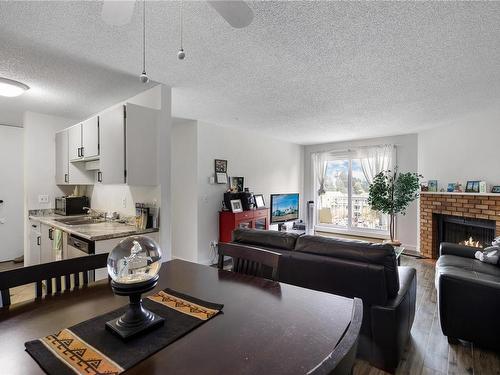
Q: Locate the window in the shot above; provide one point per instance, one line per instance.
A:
(344, 203)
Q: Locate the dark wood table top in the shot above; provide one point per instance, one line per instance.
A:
(266, 327)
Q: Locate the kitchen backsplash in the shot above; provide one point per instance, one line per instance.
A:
(122, 198)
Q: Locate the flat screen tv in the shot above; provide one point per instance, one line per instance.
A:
(284, 207)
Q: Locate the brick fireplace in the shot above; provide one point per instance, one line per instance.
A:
(466, 205)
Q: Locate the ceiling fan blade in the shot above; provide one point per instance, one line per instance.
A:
(237, 13)
(117, 13)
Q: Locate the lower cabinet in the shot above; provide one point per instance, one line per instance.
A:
(32, 255)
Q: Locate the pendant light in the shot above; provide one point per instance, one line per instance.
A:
(181, 54)
(144, 77)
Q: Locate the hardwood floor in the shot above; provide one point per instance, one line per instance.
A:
(428, 351)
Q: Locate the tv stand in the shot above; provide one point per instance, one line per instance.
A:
(251, 219)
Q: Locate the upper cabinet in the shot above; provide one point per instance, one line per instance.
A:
(69, 173)
(75, 142)
(118, 146)
(62, 162)
(90, 138)
(112, 134)
(83, 140)
(128, 136)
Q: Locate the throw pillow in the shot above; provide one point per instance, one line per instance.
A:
(489, 255)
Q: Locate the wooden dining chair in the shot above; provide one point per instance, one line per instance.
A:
(341, 360)
(58, 276)
(249, 260)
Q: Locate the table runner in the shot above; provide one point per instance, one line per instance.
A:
(88, 348)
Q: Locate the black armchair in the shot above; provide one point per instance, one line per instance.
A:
(468, 296)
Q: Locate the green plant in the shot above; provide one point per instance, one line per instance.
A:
(392, 192)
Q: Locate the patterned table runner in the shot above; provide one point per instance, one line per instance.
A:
(88, 348)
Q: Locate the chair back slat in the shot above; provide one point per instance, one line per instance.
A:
(249, 260)
(58, 284)
(48, 285)
(38, 289)
(50, 274)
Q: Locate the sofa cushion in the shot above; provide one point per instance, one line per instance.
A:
(266, 238)
(359, 251)
(467, 264)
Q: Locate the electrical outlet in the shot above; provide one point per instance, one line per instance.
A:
(213, 244)
(124, 202)
(43, 199)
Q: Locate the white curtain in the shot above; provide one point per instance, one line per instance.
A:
(375, 160)
(320, 160)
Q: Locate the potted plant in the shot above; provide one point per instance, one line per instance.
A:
(391, 193)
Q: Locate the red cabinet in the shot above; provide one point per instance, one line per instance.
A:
(229, 221)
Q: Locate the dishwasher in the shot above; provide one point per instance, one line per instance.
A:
(79, 247)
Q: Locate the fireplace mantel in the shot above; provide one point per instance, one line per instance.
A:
(473, 205)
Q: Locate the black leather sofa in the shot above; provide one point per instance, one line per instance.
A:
(352, 269)
(468, 296)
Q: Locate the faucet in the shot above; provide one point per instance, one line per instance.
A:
(93, 213)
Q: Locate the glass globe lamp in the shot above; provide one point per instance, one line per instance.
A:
(133, 266)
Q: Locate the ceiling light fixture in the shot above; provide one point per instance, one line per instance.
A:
(181, 54)
(11, 88)
(144, 77)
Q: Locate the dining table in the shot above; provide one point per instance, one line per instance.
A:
(266, 327)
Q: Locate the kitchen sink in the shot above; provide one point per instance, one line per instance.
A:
(80, 220)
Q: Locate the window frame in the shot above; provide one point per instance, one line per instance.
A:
(349, 229)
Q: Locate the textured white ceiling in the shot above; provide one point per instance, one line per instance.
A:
(306, 72)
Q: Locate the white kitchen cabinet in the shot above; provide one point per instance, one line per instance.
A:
(62, 161)
(46, 234)
(32, 257)
(128, 154)
(112, 136)
(90, 138)
(69, 173)
(75, 142)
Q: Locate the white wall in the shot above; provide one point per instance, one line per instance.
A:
(466, 149)
(268, 166)
(40, 158)
(11, 192)
(407, 161)
(185, 189)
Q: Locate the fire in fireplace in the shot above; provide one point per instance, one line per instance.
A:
(466, 231)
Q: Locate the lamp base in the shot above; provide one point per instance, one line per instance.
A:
(128, 331)
(136, 319)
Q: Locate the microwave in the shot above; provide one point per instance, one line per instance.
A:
(71, 205)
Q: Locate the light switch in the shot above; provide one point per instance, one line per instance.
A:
(43, 199)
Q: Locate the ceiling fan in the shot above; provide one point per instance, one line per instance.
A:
(119, 13)
(236, 12)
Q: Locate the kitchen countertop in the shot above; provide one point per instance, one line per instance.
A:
(93, 232)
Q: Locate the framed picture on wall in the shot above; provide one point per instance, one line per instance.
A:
(220, 166)
(236, 205)
(221, 178)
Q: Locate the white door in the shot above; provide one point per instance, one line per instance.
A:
(62, 163)
(11, 193)
(112, 137)
(90, 138)
(75, 142)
